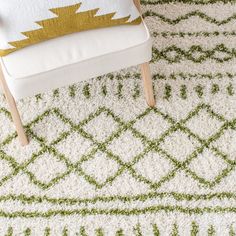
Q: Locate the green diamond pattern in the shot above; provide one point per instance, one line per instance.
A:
(196, 53)
(150, 146)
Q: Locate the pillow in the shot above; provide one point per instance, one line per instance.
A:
(26, 22)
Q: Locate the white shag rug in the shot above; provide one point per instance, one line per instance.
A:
(100, 162)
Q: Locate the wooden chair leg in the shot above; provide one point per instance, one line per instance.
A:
(14, 112)
(147, 82)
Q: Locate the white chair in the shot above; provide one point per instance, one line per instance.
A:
(73, 58)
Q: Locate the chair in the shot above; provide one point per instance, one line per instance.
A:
(80, 56)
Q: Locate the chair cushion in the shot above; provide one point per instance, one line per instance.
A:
(73, 48)
(75, 57)
(30, 22)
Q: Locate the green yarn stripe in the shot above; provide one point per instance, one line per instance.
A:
(137, 229)
(191, 2)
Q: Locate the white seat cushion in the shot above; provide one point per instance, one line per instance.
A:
(83, 55)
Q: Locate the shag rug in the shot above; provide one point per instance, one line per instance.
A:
(100, 162)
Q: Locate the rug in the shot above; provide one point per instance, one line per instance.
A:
(101, 162)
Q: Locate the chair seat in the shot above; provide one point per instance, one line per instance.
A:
(75, 57)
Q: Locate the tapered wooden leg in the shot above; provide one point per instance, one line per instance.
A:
(14, 112)
(147, 82)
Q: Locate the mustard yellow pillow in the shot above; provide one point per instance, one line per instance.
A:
(26, 22)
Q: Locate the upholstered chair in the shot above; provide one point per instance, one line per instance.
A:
(73, 58)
